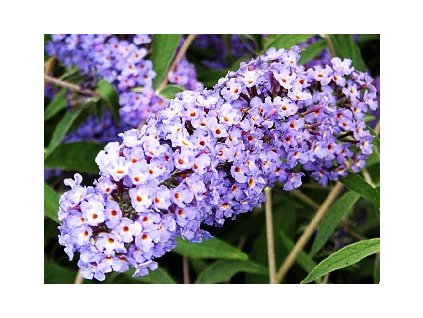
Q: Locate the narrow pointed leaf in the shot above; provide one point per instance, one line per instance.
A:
(56, 105)
(345, 47)
(78, 156)
(213, 248)
(109, 94)
(51, 202)
(332, 218)
(303, 259)
(224, 270)
(170, 91)
(312, 51)
(357, 184)
(62, 128)
(346, 256)
(163, 49)
(285, 41)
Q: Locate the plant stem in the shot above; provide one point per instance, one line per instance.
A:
(79, 279)
(185, 270)
(70, 86)
(302, 241)
(177, 59)
(305, 198)
(269, 236)
(48, 66)
(330, 44)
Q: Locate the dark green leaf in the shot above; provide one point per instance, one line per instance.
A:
(55, 274)
(346, 256)
(109, 94)
(213, 248)
(312, 51)
(78, 156)
(224, 270)
(170, 91)
(62, 129)
(345, 47)
(303, 259)
(285, 41)
(51, 202)
(158, 276)
(284, 218)
(332, 218)
(56, 105)
(357, 184)
(376, 271)
(163, 48)
(210, 77)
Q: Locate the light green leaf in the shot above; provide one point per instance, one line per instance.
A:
(55, 274)
(303, 259)
(56, 105)
(332, 218)
(158, 276)
(170, 91)
(285, 41)
(346, 256)
(78, 156)
(51, 202)
(224, 270)
(345, 47)
(62, 128)
(109, 94)
(213, 248)
(163, 49)
(357, 184)
(312, 51)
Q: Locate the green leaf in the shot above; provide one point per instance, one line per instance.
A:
(224, 270)
(345, 47)
(158, 276)
(51, 202)
(346, 256)
(78, 156)
(312, 51)
(56, 105)
(109, 94)
(284, 218)
(63, 127)
(210, 77)
(55, 274)
(357, 184)
(170, 91)
(163, 48)
(285, 41)
(332, 218)
(213, 248)
(303, 259)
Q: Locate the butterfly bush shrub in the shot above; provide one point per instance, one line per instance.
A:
(207, 156)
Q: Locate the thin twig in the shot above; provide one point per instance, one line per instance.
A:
(377, 128)
(79, 279)
(305, 198)
(185, 270)
(302, 241)
(269, 236)
(68, 85)
(177, 59)
(241, 242)
(48, 66)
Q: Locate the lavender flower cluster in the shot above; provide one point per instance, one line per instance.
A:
(122, 61)
(208, 155)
